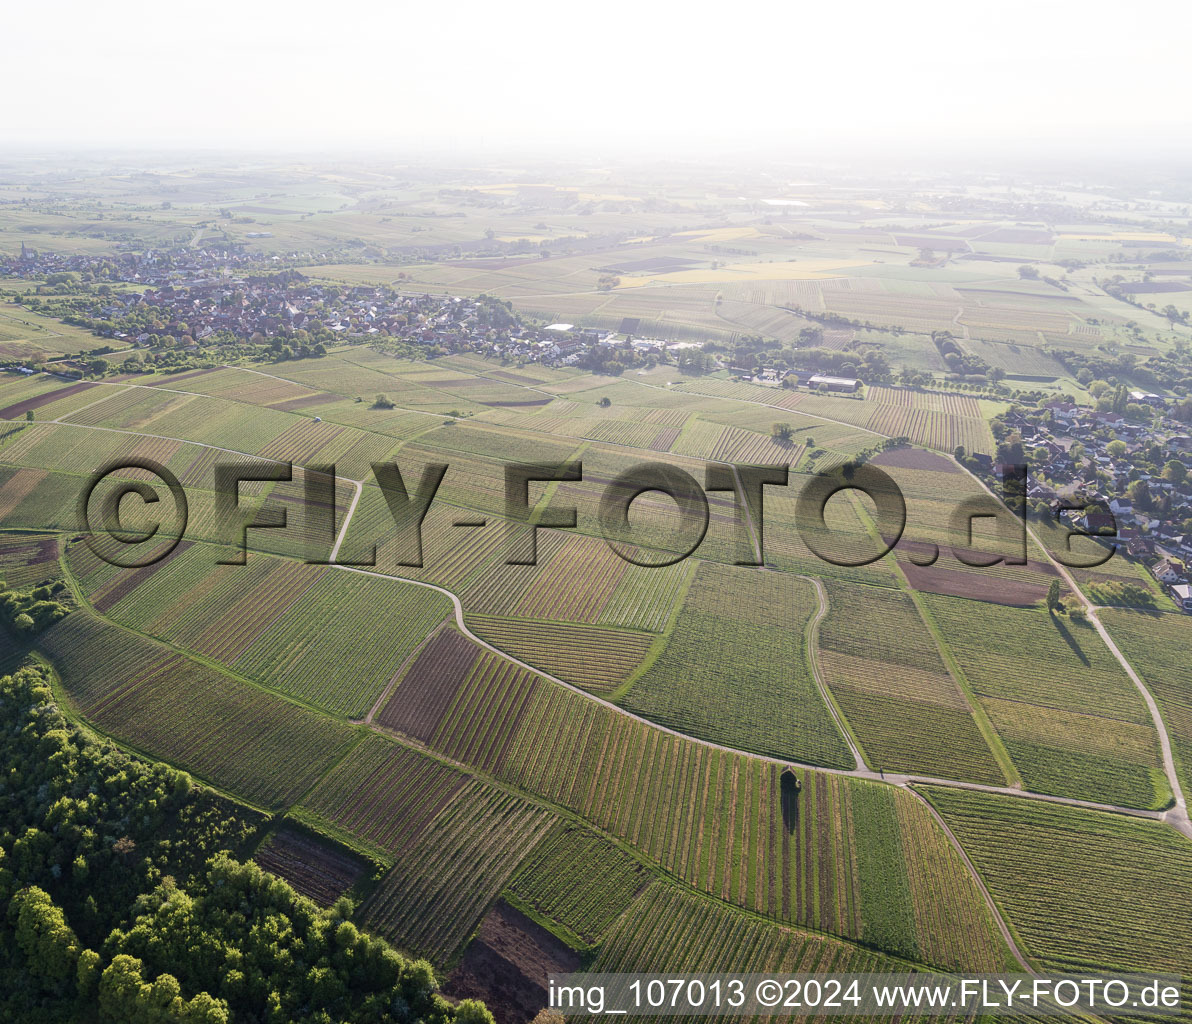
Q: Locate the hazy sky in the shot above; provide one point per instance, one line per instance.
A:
(543, 75)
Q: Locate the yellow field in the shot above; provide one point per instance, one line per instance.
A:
(802, 270)
(721, 234)
(510, 187)
(1126, 236)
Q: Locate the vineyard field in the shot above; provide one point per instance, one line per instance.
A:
(709, 681)
(1072, 721)
(1062, 874)
(239, 737)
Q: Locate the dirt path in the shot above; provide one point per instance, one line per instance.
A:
(1177, 815)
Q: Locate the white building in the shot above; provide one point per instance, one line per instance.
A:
(833, 383)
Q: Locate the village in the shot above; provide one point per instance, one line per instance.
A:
(1124, 471)
(168, 307)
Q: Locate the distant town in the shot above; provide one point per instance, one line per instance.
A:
(1121, 462)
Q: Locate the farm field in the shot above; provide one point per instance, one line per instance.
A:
(723, 823)
(241, 738)
(709, 683)
(1074, 725)
(276, 621)
(1157, 646)
(579, 881)
(315, 868)
(430, 901)
(1084, 890)
(885, 672)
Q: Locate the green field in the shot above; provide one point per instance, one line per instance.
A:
(735, 670)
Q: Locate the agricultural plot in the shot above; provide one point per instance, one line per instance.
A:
(311, 653)
(189, 600)
(1072, 721)
(451, 555)
(130, 408)
(1157, 647)
(668, 929)
(722, 823)
(483, 718)
(239, 737)
(596, 658)
(710, 682)
(44, 402)
(932, 401)
(314, 867)
(428, 687)
(852, 536)
(940, 430)
(745, 448)
(27, 560)
(381, 797)
(579, 880)
(432, 899)
(885, 673)
(1084, 890)
(644, 597)
(19, 392)
(575, 584)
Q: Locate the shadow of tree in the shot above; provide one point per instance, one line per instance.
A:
(1069, 638)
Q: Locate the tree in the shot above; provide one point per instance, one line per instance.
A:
(23, 623)
(49, 945)
(1028, 273)
(605, 402)
(781, 431)
(472, 1011)
(1175, 472)
(1139, 494)
(1116, 448)
(1053, 597)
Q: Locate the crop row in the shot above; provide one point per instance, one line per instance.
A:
(575, 584)
(644, 597)
(711, 682)
(429, 685)
(580, 880)
(343, 639)
(433, 897)
(933, 401)
(483, 718)
(1084, 890)
(301, 441)
(1157, 646)
(1067, 710)
(28, 559)
(670, 930)
(383, 794)
(239, 737)
(313, 867)
(594, 657)
(940, 430)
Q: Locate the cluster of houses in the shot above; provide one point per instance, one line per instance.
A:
(199, 298)
(1074, 460)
